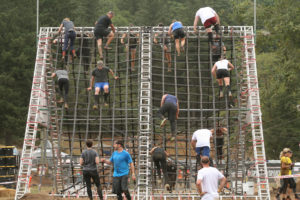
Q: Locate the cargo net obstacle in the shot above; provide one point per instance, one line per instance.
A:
(55, 137)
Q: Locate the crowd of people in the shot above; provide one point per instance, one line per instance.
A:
(209, 180)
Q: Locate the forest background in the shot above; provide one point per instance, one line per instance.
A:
(277, 49)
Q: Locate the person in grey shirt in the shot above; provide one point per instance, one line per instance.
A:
(70, 34)
(100, 78)
(63, 83)
(89, 160)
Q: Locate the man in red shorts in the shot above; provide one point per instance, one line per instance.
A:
(208, 18)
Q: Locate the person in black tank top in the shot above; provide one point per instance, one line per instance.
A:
(159, 157)
(164, 42)
(133, 40)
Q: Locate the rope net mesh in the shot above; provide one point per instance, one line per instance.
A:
(190, 80)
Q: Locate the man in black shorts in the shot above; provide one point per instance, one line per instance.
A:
(221, 70)
(159, 157)
(164, 42)
(100, 77)
(132, 44)
(101, 30)
(178, 33)
(89, 160)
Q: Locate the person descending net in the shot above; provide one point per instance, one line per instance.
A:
(169, 104)
(63, 85)
(89, 160)
(209, 18)
(70, 35)
(133, 43)
(100, 78)
(221, 70)
(101, 31)
(165, 44)
(176, 28)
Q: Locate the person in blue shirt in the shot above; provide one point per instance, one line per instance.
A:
(169, 104)
(121, 160)
(178, 33)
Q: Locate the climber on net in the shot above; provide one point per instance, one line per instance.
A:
(100, 78)
(133, 40)
(165, 44)
(209, 18)
(220, 132)
(201, 140)
(70, 35)
(63, 83)
(101, 31)
(176, 28)
(169, 104)
(221, 70)
(216, 48)
(159, 157)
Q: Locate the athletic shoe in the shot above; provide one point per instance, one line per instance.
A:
(61, 100)
(66, 106)
(163, 122)
(159, 181)
(172, 138)
(229, 94)
(106, 104)
(167, 187)
(278, 197)
(108, 48)
(95, 106)
(221, 94)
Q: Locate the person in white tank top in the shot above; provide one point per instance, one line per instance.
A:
(220, 71)
(209, 18)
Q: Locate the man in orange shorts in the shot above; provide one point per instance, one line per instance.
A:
(209, 18)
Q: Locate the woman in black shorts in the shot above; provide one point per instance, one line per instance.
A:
(133, 40)
(178, 33)
(221, 70)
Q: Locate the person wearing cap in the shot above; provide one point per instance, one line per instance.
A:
(100, 78)
(209, 18)
(121, 161)
(286, 169)
(169, 104)
(176, 28)
(133, 40)
(208, 179)
(70, 35)
(63, 83)
(101, 30)
(220, 71)
(165, 44)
